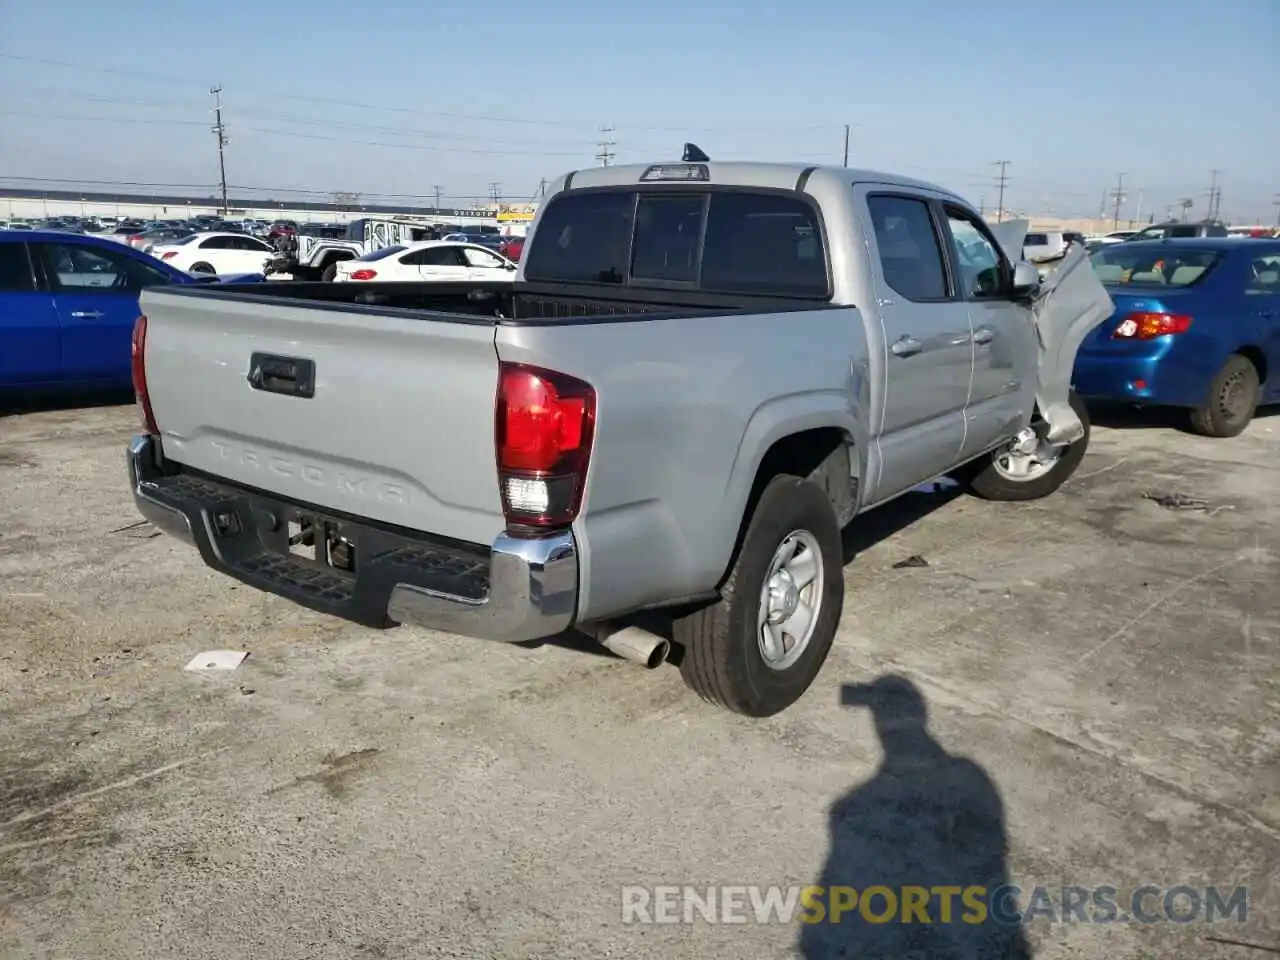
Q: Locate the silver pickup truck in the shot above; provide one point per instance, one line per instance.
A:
(702, 373)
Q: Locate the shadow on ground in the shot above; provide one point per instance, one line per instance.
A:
(1127, 416)
(928, 825)
(14, 403)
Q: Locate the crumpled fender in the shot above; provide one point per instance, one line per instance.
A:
(1071, 302)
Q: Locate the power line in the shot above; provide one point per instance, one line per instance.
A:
(605, 156)
(1004, 166)
(1118, 196)
(438, 193)
(186, 81)
(220, 133)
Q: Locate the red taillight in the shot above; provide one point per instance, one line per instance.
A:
(364, 274)
(138, 363)
(168, 254)
(1148, 326)
(545, 422)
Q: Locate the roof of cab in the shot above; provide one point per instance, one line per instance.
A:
(779, 176)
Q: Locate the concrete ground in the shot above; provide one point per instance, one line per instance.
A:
(1100, 673)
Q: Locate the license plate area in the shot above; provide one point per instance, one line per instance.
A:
(320, 541)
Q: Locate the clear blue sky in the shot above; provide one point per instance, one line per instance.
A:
(398, 96)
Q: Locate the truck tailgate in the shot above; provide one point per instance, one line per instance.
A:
(399, 426)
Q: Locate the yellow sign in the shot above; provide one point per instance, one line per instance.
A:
(516, 214)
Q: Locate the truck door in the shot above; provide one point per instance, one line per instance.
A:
(928, 351)
(30, 348)
(1004, 337)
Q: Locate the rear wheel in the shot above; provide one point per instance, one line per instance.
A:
(202, 267)
(1233, 398)
(330, 272)
(1030, 467)
(757, 650)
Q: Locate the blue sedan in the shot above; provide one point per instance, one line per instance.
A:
(68, 303)
(1196, 325)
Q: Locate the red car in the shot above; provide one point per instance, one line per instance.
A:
(511, 248)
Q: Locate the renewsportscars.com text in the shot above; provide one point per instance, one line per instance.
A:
(973, 904)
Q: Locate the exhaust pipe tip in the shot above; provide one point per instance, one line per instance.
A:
(636, 644)
(659, 655)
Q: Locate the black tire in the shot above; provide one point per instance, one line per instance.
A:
(202, 267)
(986, 481)
(722, 659)
(330, 272)
(1233, 398)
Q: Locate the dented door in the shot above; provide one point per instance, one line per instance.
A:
(1070, 304)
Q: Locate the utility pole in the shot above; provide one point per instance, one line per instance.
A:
(846, 144)
(542, 187)
(495, 193)
(1118, 197)
(1003, 165)
(605, 156)
(220, 132)
(437, 189)
(1276, 201)
(1214, 194)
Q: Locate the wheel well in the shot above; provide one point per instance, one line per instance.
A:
(1258, 359)
(822, 455)
(335, 256)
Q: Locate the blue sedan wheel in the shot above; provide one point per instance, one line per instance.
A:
(1233, 398)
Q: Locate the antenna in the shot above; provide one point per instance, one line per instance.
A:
(693, 154)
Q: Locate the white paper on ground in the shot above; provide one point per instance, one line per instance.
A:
(217, 660)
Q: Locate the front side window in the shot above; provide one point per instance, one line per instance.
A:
(909, 249)
(983, 273)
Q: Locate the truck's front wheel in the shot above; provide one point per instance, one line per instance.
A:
(1039, 469)
(757, 650)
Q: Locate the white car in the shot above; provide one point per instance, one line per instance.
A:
(215, 253)
(430, 260)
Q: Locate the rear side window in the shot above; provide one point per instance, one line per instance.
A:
(768, 244)
(15, 269)
(722, 242)
(910, 252)
(1036, 240)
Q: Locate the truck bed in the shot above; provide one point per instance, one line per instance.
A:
(502, 302)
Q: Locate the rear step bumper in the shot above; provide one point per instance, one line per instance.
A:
(517, 589)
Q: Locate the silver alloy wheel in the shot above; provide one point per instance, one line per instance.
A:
(790, 600)
(1028, 457)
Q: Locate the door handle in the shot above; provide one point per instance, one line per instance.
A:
(906, 346)
(983, 335)
(87, 314)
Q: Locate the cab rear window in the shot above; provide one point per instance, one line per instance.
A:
(751, 242)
